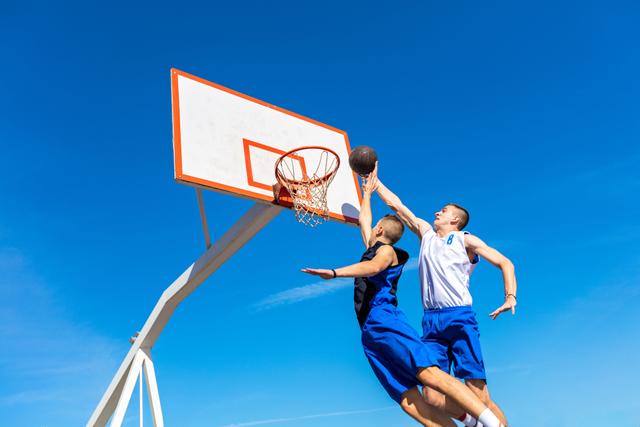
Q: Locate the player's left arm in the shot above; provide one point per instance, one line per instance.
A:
(381, 261)
(369, 185)
(477, 246)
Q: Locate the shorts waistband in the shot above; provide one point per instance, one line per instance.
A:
(441, 309)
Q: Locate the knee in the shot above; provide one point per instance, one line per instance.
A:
(431, 377)
(418, 412)
(408, 403)
(406, 406)
(433, 398)
(409, 399)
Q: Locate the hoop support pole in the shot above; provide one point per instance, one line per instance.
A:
(240, 233)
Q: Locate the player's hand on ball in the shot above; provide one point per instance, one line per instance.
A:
(325, 274)
(509, 304)
(370, 182)
(374, 173)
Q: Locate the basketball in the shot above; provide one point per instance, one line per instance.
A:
(363, 159)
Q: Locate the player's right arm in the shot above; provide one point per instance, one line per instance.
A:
(382, 260)
(418, 225)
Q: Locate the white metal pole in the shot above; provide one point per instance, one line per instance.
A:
(203, 218)
(241, 232)
(127, 390)
(141, 400)
(152, 391)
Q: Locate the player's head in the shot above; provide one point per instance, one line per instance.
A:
(389, 227)
(452, 215)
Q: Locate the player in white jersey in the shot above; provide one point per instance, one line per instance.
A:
(447, 258)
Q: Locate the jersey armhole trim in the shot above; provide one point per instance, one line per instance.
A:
(476, 258)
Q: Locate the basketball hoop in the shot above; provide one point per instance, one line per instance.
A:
(307, 192)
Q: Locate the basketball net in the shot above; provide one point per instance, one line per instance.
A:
(307, 193)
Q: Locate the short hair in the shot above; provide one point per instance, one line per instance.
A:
(393, 227)
(463, 214)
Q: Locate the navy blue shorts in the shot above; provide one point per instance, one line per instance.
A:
(452, 337)
(394, 350)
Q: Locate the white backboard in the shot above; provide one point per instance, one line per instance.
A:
(227, 141)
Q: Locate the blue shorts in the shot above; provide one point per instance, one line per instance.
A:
(452, 337)
(394, 350)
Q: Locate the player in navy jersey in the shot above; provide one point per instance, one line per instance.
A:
(447, 258)
(393, 348)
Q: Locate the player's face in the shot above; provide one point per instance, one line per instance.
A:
(445, 216)
(376, 232)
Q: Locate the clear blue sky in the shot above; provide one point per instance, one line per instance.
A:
(527, 114)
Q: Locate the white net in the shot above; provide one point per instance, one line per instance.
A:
(308, 189)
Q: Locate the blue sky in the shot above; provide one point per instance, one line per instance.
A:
(527, 114)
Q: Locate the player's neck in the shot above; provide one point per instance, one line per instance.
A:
(384, 240)
(443, 231)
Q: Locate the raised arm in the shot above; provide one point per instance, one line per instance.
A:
(479, 247)
(382, 260)
(418, 225)
(365, 219)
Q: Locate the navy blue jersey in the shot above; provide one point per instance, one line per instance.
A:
(380, 288)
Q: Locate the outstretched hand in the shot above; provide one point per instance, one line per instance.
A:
(370, 182)
(325, 274)
(509, 304)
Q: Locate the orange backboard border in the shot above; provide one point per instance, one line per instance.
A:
(177, 149)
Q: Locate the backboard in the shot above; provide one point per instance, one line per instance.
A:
(226, 141)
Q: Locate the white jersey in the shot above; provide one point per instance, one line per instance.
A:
(445, 270)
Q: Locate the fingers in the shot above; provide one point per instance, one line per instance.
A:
(374, 181)
(366, 184)
(497, 312)
(494, 314)
(374, 176)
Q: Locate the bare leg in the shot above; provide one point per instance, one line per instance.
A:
(426, 415)
(433, 377)
(445, 404)
(438, 400)
(480, 389)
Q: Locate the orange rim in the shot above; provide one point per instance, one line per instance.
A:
(312, 182)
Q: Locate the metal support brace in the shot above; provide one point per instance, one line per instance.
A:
(241, 232)
(141, 362)
(203, 218)
(141, 398)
